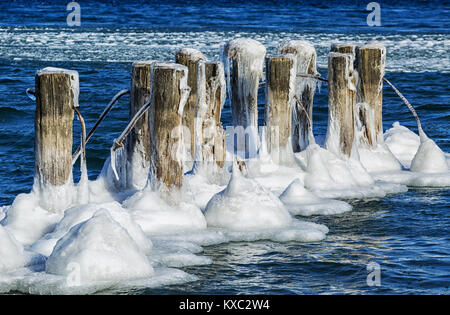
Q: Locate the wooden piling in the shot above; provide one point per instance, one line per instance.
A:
(305, 89)
(281, 72)
(370, 64)
(169, 96)
(344, 48)
(341, 103)
(56, 95)
(210, 135)
(247, 57)
(138, 141)
(190, 58)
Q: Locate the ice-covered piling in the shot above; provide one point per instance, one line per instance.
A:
(247, 56)
(190, 58)
(305, 54)
(370, 64)
(344, 48)
(341, 103)
(209, 133)
(56, 95)
(138, 141)
(281, 73)
(169, 96)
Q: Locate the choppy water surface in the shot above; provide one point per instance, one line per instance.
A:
(407, 234)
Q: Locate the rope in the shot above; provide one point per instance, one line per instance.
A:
(83, 136)
(311, 76)
(100, 119)
(118, 143)
(413, 111)
(299, 103)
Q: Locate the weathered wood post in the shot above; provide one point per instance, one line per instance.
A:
(56, 95)
(341, 104)
(344, 48)
(281, 74)
(305, 89)
(190, 58)
(370, 64)
(169, 95)
(138, 141)
(210, 135)
(247, 57)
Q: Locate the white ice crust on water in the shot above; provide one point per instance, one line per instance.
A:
(246, 211)
(332, 176)
(429, 158)
(300, 201)
(246, 205)
(11, 251)
(402, 142)
(424, 163)
(158, 214)
(78, 214)
(100, 249)
(377, 156)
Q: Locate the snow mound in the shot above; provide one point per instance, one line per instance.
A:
(402, 142)
(245, 205)
(158, 215)
(27, 221)
(429, 158)
(11, 252)
(78, 214)
(300, 201)
(98, 249)
(330, 176)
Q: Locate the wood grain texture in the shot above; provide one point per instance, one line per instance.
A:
(279, 101)
(190, 58)
(165, 121)
(370, 64)
(138, 141)
(342, 99)
(53, 127)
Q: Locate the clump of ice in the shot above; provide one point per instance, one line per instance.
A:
(164, 214)
(332, 176)
(376, 156)
(27, 221)
(429, 158)
(246, 205)
(427, 164)
(402, 142)
(78, 214)
(11, 251)
(300, 201)
(249, 55)
(98, 249)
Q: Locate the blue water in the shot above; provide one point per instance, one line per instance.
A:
(407, 234)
